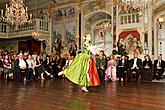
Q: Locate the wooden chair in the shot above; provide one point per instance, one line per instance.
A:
(135, 76)
(147, 74)
(22, 73)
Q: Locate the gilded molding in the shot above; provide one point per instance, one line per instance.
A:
(96, 6)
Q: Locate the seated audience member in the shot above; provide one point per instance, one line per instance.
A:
(159, 65)
(101, 65)
(6, 66)
(73, 48)
(147, 68)
(48, 65)
(122, 68)
(54, 63)
(111, 70)
(40, 69)
(22, 66)
(62, 62)
(15, 67)
(135, 65)
(68, 62)
(34, 56)
(1, 66)
(30, 69)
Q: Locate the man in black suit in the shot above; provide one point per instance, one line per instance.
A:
(135, 65)
(159, 65)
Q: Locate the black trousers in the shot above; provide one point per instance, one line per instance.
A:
(158, 73)
(121, 73)
(29, 74)
(101, 74)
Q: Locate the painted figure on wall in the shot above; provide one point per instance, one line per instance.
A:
(133, 45)
(129, 45)
(70, 31)
(121, 47)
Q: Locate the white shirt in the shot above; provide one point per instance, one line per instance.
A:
(22, 63)
(34, 56)
(68, 63)
(159, 63)
(135, 63)
(30, 63)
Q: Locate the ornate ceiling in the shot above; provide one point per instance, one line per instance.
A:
(159, 6)
(38, 3)
(32, 4)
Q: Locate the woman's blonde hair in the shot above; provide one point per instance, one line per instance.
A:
(112, 56)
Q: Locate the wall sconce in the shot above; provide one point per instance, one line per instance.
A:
(35, 35)
(160, 21)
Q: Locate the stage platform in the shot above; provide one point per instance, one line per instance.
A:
(61, 94)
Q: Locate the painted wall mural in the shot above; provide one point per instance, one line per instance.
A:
(70, 32)
(129, 42)
(9, 45)
(104, 36)
(124, 9)
(57, 31)
(64, 26)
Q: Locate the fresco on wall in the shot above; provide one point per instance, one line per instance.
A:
(9, 46)
(70, 31)
(64, 14)
(64, 27)
(129, 42)
(125, 9)
(104, 36)
(57, 33)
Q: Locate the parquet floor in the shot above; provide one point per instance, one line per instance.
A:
(61, 94)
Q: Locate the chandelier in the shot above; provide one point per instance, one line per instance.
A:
(136, 4)
(16, 13)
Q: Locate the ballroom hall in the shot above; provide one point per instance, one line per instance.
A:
(82, 54)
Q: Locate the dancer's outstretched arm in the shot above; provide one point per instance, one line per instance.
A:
(96, 48)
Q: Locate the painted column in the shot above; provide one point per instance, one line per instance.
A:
(117, 24)
(112, 22)
(50, 29)
(63, 28)
(77, 28)
(143, 28)
(155, 39)
(81, 27)
(150, 28)
(51, 34)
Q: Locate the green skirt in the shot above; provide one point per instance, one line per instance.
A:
(77, 71)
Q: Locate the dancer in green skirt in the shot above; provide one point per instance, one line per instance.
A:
(82, 71)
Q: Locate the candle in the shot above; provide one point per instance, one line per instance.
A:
(30, 16)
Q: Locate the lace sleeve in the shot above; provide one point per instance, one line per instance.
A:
(95, 49)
